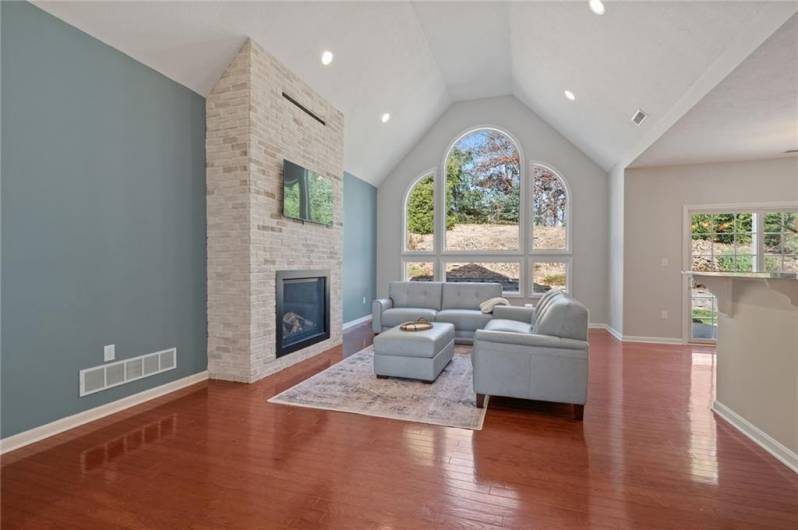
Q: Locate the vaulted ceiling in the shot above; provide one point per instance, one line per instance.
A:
(414, 59)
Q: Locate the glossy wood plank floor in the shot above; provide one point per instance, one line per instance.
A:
(649, 454)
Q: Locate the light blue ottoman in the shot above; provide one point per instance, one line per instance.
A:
(414, 354)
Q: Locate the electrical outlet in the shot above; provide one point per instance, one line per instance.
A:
(665, 262)
(109, 352)
(364, 299)
(663, 314)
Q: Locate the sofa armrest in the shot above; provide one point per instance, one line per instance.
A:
(377, 307)
(530, 340)
(511, 312)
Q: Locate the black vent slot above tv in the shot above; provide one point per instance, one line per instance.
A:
(303, 108)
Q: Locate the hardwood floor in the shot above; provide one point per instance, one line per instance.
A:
(649, 454)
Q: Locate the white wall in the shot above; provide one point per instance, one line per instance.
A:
(615, 280)
(653, 217)
(539, 142)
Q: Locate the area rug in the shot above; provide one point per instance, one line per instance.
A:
(350, 386)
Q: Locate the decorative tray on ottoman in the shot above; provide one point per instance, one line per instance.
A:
(422, 324)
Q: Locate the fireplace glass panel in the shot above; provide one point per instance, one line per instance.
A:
(303, 311)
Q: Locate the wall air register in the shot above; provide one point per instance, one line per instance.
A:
(121, 372)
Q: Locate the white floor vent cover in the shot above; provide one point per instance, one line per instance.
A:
(120, 372)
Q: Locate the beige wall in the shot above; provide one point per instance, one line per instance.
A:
(653, 216)
(539, 142)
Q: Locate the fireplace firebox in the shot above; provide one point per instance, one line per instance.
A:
(303, 309)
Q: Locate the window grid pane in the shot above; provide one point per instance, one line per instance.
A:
(549, 210)
(483, 193)
(419, 271)
(420, 216)
(547, 275)
(508, 274)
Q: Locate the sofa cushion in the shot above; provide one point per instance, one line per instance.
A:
(398, 315)
(468, 295)
(426, 295)
(514, 326)
(463, 319)
(426, 343)
(562, 317)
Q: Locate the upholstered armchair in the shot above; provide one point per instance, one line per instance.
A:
(541, 356)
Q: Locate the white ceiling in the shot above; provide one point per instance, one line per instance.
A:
(414, 59)
(751, 114)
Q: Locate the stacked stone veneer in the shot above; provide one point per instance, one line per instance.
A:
(251, 128)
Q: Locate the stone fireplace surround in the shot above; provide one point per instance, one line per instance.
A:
(251, 127)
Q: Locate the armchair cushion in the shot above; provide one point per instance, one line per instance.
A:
(531, 340)
(397, 315)
(464, 319)
(508, 326)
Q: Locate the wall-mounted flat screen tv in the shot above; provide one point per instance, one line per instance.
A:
(307, 196)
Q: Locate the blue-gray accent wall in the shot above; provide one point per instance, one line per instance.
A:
(103, 217)
(360, 247)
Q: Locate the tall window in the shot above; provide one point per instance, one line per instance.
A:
(550, 261)
(483, 193)
(486, 196)
(420, 216)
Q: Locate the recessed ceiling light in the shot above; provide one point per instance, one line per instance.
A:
(597, 6)
(385, 117)
(326, 57)
(569, 95)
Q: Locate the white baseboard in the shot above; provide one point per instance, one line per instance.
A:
(652, 340)
(70, 422)
(631, 338)
(783, 454)
(356, 322)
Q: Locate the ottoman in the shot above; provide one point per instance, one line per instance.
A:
(414, 354)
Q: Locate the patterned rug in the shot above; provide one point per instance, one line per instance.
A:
(350, 386)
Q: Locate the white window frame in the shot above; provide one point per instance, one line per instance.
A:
(444, 261)
(688, 210)
(441, 201)
(408, 190)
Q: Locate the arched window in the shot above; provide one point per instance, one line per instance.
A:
(420, 215)
(483, 193)
(549, 210)
(550, 241)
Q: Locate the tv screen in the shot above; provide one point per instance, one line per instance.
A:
(307, 195)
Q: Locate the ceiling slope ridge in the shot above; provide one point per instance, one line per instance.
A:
(761, 27)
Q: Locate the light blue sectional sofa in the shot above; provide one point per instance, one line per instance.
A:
(456, 303)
